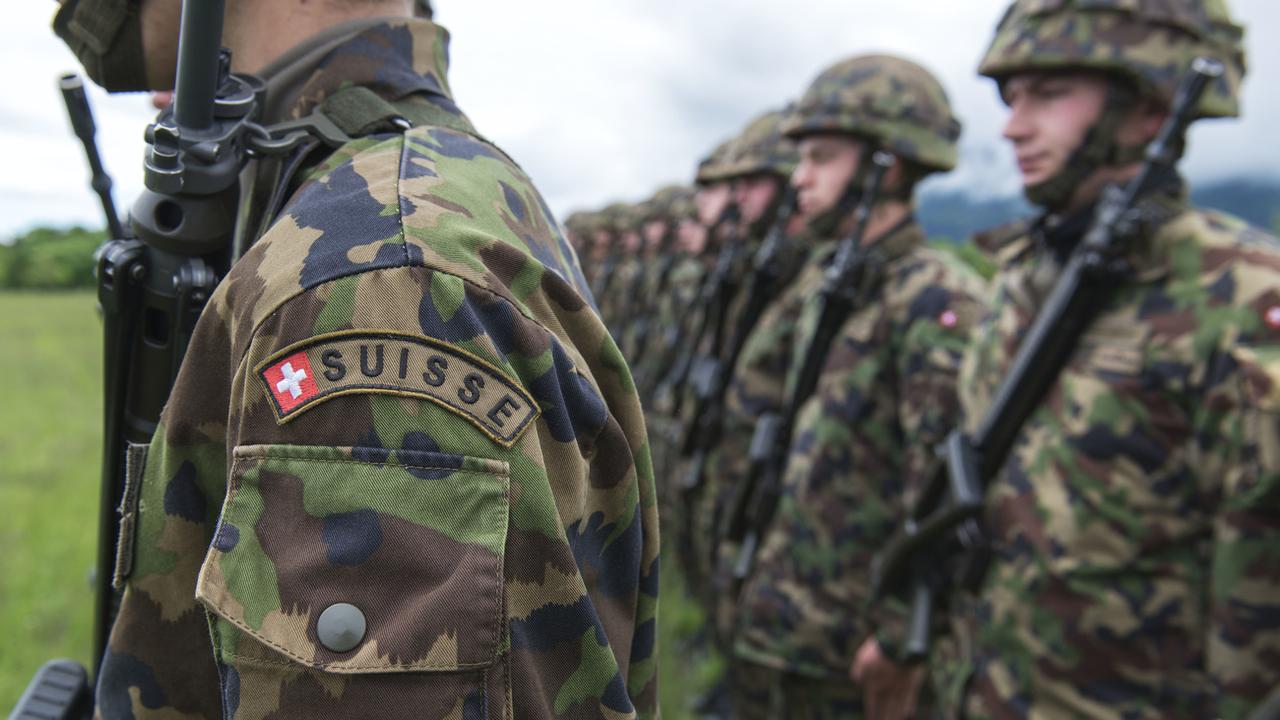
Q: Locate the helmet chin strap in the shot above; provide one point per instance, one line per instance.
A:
(1097, 150)
(828, 223)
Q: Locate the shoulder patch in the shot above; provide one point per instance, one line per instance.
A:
(355, 362)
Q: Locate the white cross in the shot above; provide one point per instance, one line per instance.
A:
(1273, 316)
(291, 380)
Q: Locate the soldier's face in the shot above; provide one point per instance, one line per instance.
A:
(691, 236)
(653, 232)
(754, 195)
(711, 201)
(631, 240)
(1049, 114)
(827, 164)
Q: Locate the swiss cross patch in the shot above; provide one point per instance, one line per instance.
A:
(307, 374)
(291, 380)
(948, 319)
(1272, 317)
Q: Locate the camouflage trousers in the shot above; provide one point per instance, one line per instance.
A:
(760, 693)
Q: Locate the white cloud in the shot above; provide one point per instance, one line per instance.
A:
(608, 100)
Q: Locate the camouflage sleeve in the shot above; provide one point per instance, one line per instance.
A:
(436, 509)
(1239, 435)
(933, 343)
(930, 343)
(396, 491)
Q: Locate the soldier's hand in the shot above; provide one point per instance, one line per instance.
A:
(889, 690)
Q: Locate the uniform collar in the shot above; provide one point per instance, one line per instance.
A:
(393, 57)
(1150, 255)
(900, 239)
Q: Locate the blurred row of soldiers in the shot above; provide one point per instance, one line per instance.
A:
(801, 350)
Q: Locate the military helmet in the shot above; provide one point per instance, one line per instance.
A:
(581, 223)
(711, 168)
(761, 148)
(1149, 42)
(665, 204)
(893, 101)
(623, 216)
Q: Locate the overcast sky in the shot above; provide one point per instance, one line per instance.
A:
(609, 99)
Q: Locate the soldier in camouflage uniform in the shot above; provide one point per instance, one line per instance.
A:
(756, 165)
(1136, 522)
(885, 395)
(669, 210)
(615, 303)
(403, 471)
(657, 235)
(679, 314)
(604, 248)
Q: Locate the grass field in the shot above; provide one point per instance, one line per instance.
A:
(50, 416)
(50, 412)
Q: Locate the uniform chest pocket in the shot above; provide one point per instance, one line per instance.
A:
(355, 565)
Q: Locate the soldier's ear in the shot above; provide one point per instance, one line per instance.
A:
(1144, 121)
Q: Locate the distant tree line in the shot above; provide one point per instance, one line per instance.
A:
(50, 259)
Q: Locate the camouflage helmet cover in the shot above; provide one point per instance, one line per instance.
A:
(622, 216)
(761, 148)
(893, 101)
(1150, 42)
(582, 222)
(673, 202)
(711, 168)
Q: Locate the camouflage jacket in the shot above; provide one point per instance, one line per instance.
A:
(1136, 523)
(403, 470)
(885, 398)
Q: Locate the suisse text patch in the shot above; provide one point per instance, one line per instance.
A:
(364, 362)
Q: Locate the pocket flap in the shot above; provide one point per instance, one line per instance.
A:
(412, 540)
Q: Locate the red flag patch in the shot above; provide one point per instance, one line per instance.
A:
(1272, 316)
(291, 380)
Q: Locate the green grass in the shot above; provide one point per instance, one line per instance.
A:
(50, 412)
(50, 417)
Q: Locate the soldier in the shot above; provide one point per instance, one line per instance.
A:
(757, 166)
(1135, 524)
(678, 318)
(656, 236)
(884, 397)
(669, 210)
(604, 246)
(615, 305)
(402, 472)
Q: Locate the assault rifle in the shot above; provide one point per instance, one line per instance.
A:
(847, 283)
(154, 282)
(941, 544)
(714, 296)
